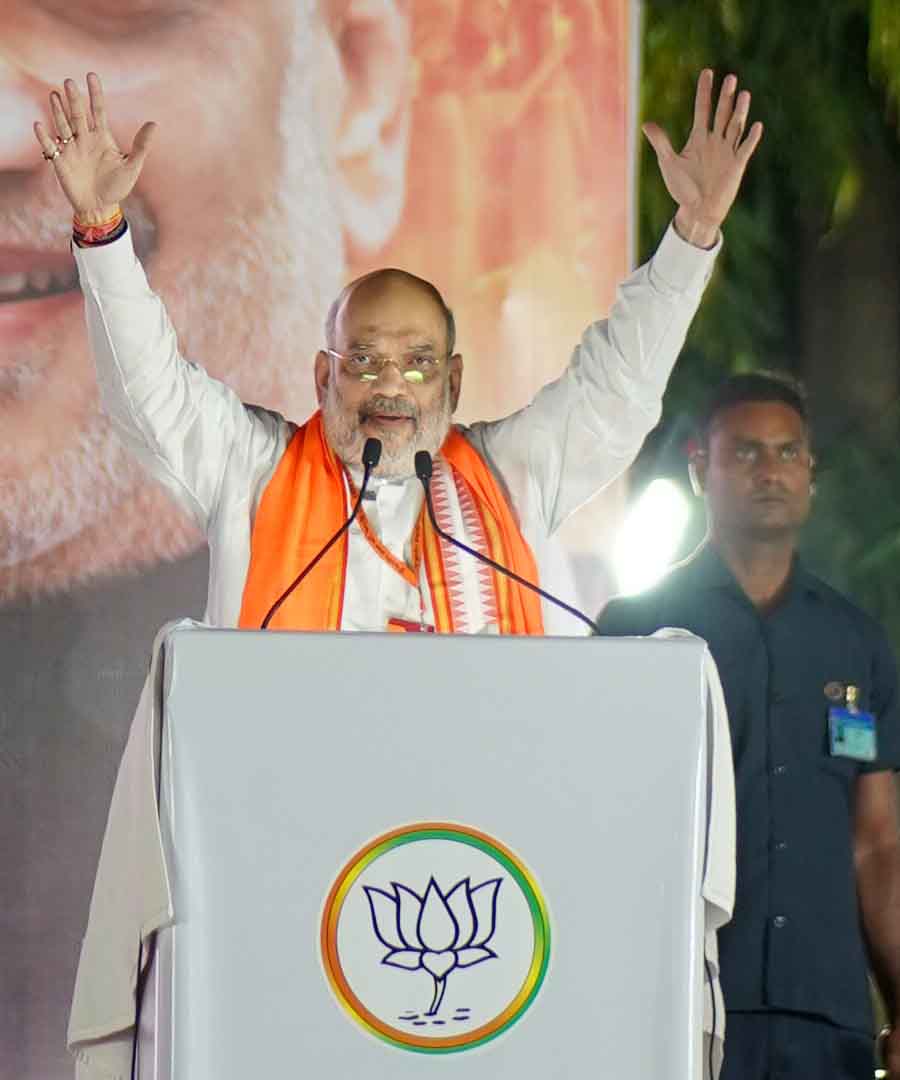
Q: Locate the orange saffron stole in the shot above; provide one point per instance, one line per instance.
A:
(304, 504)
(301, 508)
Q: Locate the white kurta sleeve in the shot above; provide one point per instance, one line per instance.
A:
(720, 870)
(132, 899)
(720, 855)
(183, 425)
(584, 429)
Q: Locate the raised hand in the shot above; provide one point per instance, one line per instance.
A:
(92, 171)
(704, 178)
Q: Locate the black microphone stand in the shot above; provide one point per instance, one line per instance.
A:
(423, 471)
(370, 457)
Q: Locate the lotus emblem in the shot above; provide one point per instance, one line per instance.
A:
(438, 932)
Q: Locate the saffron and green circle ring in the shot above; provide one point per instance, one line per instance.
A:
(531, 984)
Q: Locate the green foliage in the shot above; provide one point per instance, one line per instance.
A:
(825, 78)
(806, 63)
(855, 540)
(884, 44)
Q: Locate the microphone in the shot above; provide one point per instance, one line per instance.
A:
(370, 458)
(423, 471)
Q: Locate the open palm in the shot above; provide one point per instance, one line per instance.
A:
(92, 170)
(705, 177)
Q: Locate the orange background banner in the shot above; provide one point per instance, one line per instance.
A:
(482, 144)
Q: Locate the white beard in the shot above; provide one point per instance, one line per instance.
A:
(397, 459)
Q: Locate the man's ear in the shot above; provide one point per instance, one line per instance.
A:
(456, 370)
(372, 40)
(322, 373)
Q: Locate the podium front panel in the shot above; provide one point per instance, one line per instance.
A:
(400, 854)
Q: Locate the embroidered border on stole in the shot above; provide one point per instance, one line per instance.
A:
(462, 589)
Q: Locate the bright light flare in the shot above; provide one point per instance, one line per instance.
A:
(650, 536)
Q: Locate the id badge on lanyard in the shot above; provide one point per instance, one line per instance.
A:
(404, 626)
(851, 732)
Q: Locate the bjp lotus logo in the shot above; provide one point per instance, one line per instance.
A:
(438, 932)
(435, 938)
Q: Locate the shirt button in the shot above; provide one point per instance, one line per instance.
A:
(780, 770)
(779, 922)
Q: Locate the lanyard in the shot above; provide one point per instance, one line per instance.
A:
(410, 574)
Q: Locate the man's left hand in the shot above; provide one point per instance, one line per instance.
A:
(704, 178)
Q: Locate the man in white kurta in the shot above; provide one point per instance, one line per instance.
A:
(216, 454)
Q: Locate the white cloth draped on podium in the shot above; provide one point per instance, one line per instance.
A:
(347, 854)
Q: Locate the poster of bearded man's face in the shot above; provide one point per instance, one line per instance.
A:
(480, 144)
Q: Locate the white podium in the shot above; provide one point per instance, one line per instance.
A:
(393, 855)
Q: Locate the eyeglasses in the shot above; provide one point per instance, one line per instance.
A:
(415, 367)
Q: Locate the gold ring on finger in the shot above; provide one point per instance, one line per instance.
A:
(54, 155)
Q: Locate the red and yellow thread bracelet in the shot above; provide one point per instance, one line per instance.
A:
(103, 230)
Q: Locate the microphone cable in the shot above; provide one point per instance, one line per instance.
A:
(424, 469)
(370, 457)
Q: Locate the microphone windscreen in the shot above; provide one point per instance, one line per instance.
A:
(423, 465)
(371, 454)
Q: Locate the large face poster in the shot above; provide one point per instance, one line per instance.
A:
(479, 143)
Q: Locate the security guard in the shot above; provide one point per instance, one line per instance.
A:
(811, 688)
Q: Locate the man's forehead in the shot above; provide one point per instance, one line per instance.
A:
(362, 333)
(760, 421)
(390, 303)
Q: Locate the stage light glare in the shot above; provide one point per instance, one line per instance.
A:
(650, 535)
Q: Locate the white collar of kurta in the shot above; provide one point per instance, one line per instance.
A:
(377, 483)
(470, 584)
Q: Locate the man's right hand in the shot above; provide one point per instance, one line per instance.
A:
(93, 172)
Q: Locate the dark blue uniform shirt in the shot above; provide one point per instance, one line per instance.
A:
(795, 942)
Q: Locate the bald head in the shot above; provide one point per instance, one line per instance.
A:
(388, 285)
(402, 323)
